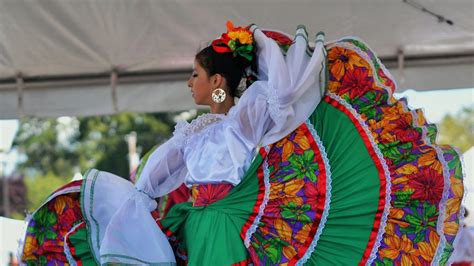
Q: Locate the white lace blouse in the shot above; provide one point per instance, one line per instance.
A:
(215, 148)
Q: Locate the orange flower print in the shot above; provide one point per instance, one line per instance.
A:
(284, 229)
(334, 86)
(457, 186)
(294, 142)
(285, 232)
(452, 207)
(31, 245)
(395, 217)
(289, 251)
(428, 249)
(390, 228)
(287, 192)
(430, 158)
(61, 202)
(342, 59)
(302, 234)
(406, 169)
(451, 228)
(400, 247)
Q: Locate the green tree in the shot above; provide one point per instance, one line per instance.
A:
(458, 130)
(37, 139)
(54, 149)
(102, 139)
(40, 187)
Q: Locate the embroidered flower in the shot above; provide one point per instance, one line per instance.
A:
(356, 82)
(206, 194)
(400, 247)
(428, 185)
(296, 212)
(301, 167)
(286, 192)
(341, 60)
(428, 249)
(31, 245)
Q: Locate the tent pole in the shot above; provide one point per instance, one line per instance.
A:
(113, 85)
(20, 86)
(401, 67)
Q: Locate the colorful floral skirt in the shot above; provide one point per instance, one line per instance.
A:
(362, 181)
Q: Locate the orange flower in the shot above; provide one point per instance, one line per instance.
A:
(242, 34)
(287, 192)
(428, 250)
(334, 86)
(452, 207)
(451, 228)
(395, 217)
(420, 117)
(288, 148)
(31, 245)
(388, 137)
(396, 213)
(390, 228)
(406, 169)
(430, 158)
(342, 59)
(285, 232)
(61, 202)
(289, 144)
(289, 252)
(284, 229)
(400, 247)
(457, 187)
(302, 234)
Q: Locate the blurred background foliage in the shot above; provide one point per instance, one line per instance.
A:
(54, 150)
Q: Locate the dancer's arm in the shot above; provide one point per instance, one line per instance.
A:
(164, 169)
(287, 91)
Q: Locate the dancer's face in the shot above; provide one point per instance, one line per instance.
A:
(200, 84)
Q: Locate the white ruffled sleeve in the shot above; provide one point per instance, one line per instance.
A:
(288, 89)
(164, 169)
(121, 228)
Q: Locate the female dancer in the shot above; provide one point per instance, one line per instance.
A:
(317, 163)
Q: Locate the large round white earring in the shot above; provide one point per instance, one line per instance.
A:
(218, 95)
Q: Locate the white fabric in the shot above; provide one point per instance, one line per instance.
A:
(213, 148)
(464, 247)
(119, 222)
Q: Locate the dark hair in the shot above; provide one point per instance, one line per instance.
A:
(233, 69)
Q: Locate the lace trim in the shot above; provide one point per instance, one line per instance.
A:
(442, 205)
(274, 107)
(383, 220)
(183, 130)
(87, 191)
(67, 251)
(463, 201)
(327, 203)
(266, 179)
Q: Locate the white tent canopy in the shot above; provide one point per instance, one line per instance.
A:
(88, 57)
